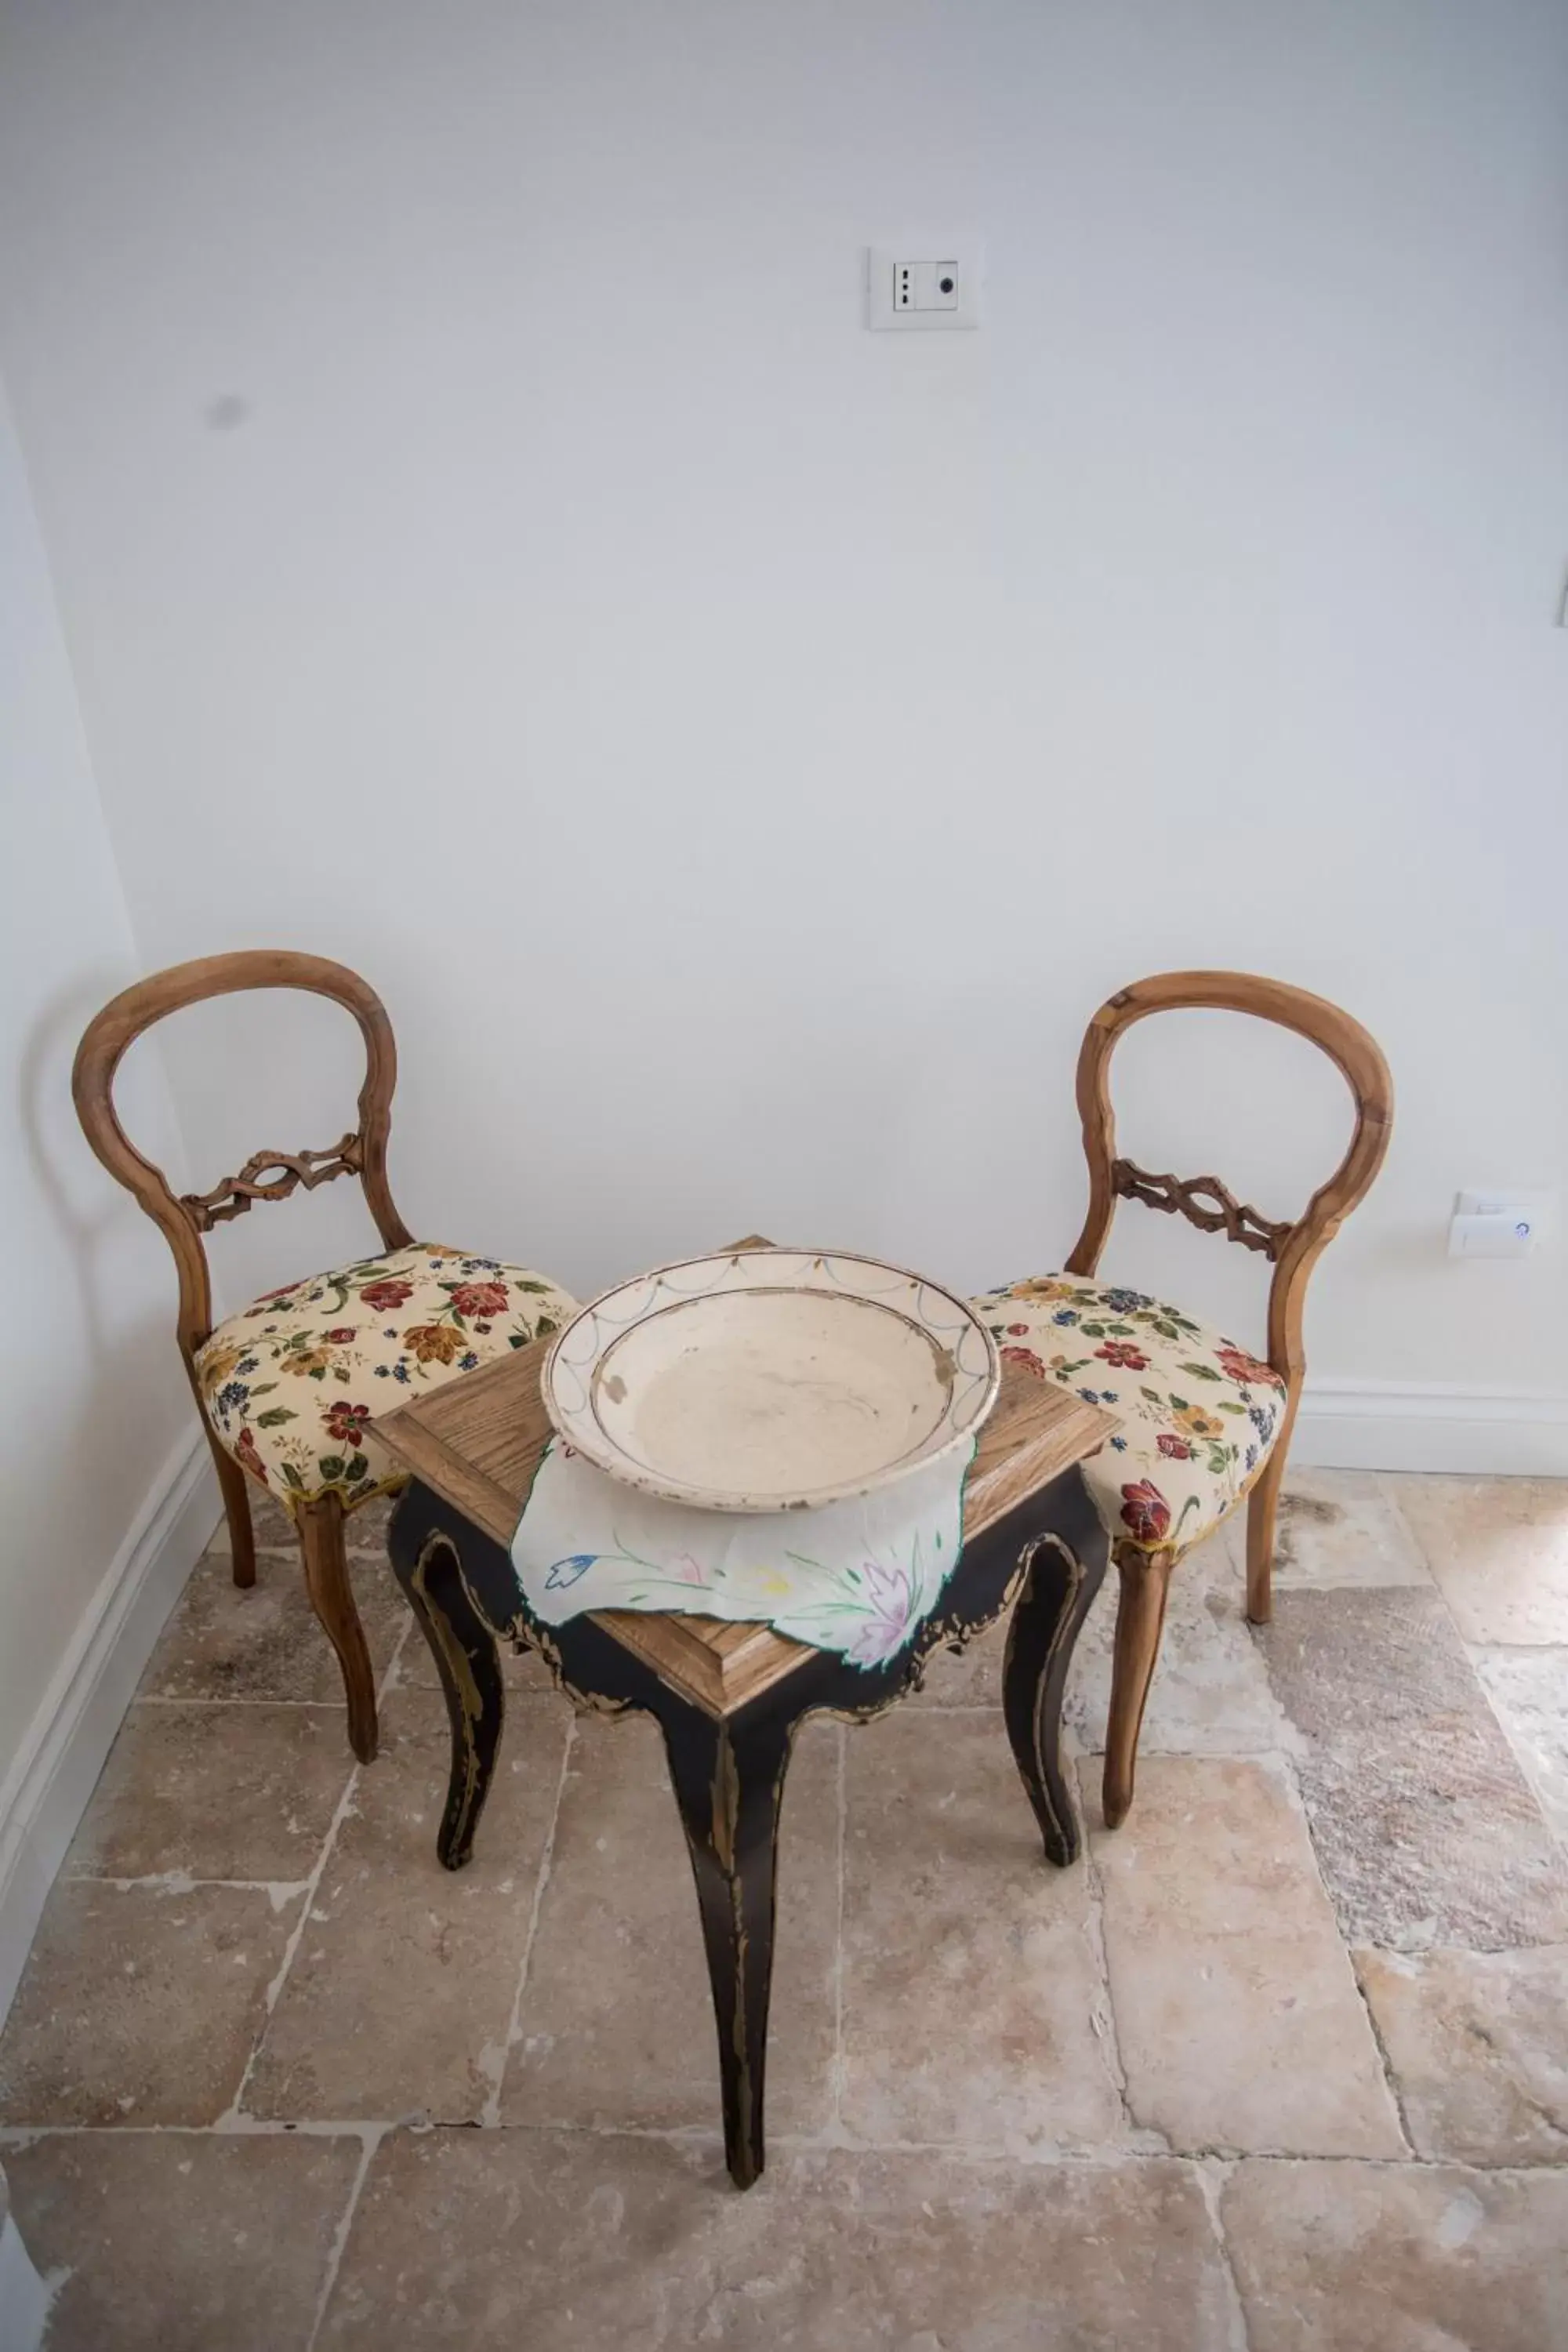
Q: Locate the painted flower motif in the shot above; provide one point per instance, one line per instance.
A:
(312, 1444)
(346, 1422)
(1245, 1370)
(885, 1629)
(217, 1368)
(432, 1343)
(566, 1571)
(383, 1298)
(1044, 1287)
(1197, 1413)
(1025, 1359)
(1145, 1511)
(479, 1298)
(248, 1457)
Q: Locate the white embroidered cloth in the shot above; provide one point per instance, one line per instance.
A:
(855, 1577)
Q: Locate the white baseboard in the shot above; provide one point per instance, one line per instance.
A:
(47, 1789)
(1432, 1425)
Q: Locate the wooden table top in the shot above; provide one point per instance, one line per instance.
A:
(476, 1442)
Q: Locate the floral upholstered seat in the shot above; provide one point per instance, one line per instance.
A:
(1198, 1415)
(290, 1382)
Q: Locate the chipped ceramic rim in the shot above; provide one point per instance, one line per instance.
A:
(947, 1323)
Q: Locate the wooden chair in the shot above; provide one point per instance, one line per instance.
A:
(286, 1386)
(1205, 1425)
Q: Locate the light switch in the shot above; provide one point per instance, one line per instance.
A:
(936, 285)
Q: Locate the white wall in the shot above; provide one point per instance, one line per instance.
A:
(97, 1426)
(744, 749)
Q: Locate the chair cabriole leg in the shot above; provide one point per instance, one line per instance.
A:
(1262, 1508)
(331, 1597)
(1140, 1618)
(236, 1511)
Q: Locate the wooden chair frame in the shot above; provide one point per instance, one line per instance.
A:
(185, 1220)
(1292, 1247)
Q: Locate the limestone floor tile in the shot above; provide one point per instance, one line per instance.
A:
(616, 2026)
(400, 1994)
(184, 2241)
(140, 2004)
(974, 2002)
(1528, 1692)
(1399, 2258)
(1425, 1828)
(265, 1642)
(215, 1791)
(1499, 1549)
(1237, 2010)
(272, 1528)
(1337, 1527)
(1210, 1695)
(584, 2242)
(1478, 2045)
(968, 1677)
(365, 1529)
(521, 1670)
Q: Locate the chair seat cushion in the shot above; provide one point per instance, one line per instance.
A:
(1199, 1416)
(290, 1383)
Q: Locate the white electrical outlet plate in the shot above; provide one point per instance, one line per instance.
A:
(1506, 1222)
(923, 286)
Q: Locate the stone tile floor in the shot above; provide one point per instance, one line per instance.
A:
(1281, 2067)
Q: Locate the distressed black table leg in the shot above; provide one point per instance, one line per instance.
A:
(425, 1559)
(729, 1783)
(1064, 1569)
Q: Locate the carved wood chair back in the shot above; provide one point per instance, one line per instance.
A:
(1292, 1246)
(185, 1219)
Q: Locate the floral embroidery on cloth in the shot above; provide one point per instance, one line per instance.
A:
(1198, 1415)
(858, 1576)
(291, 1383)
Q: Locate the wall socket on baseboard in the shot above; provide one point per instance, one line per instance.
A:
(1506, 1222)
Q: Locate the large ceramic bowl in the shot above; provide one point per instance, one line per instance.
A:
(770, 1380)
